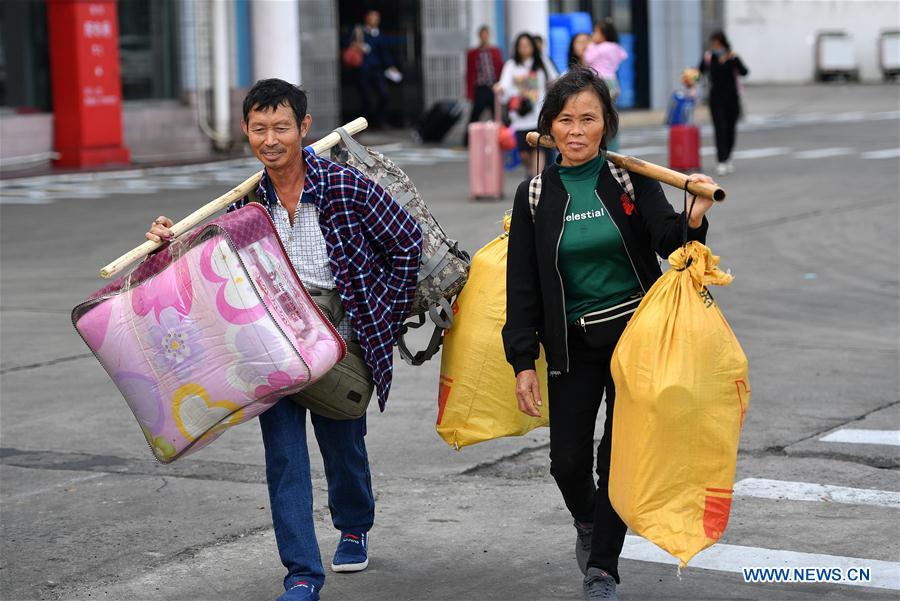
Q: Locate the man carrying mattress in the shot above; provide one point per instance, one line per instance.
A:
(346, 236)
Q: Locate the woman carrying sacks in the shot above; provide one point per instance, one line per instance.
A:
(582, 252)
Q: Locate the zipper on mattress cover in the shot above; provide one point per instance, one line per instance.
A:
(318, 311)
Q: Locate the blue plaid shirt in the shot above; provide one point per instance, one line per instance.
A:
(374, 247)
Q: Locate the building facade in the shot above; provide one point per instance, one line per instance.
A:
(185, 64)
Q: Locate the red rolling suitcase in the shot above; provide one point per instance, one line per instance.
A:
(485, 160)
(684, 147)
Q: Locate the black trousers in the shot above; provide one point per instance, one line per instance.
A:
(575, 399)
(484, 99)
(373, 96)
(725, 113)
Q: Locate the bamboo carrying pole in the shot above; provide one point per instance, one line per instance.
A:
(220, 203)
(663, 174)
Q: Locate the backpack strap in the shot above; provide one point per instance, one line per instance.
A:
(441, 312)
(441, 315)
(624, 179)
(534, 194)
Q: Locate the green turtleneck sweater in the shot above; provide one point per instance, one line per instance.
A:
(595, 268)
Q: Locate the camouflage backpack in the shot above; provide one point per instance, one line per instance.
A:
(444, 268)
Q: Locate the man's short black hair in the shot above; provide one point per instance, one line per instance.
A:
(272, 93)
(577, 80)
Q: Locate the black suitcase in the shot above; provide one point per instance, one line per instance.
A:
(438, 120)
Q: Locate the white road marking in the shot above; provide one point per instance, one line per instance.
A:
(821, 153)
(760, 153)
(763, 488)
(851, 116)
(708, 151)
(887, 153)
(809, 118)
(411, 160)
(388, 148)
(639, 150)
(885, 437)
(184, 182)
(732, 558)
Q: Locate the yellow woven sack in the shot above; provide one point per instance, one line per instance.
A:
(682, 391)
(477, 391)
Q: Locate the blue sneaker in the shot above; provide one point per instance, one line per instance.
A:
(300, 591)
(352, 554)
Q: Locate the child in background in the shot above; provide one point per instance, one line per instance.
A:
(684, 100)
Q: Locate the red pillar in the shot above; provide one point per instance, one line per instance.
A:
(86, 83)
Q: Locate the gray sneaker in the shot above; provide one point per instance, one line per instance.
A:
(583, 544)
(598, 585)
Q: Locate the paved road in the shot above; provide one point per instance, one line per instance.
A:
(810, 230)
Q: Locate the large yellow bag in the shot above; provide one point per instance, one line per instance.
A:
(477, 392)
(682, 391)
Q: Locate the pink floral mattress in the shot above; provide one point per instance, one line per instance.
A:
(209, 332)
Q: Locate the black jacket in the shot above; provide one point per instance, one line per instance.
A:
(535, 305)
(723, 88)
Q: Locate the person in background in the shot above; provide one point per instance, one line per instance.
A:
(377, 67)
(684, 100)
(579, 262)
(577, 45)
(723, 67)
(483, 66)
(552, 72)
(604, 55)
(522, 86)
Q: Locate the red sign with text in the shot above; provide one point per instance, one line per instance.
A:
(87, 86)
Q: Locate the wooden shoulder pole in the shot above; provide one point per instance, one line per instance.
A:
(219, 204)
(636, 165)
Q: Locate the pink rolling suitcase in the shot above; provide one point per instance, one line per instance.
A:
(485, 160)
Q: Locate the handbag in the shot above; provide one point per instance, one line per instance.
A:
(345, 391)
(352, 57)
(506, 137)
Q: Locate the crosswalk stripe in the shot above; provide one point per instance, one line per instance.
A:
(733, 558)
(887, 153)
(854, 436)
(850, 116)
(821, 153)
(759, 153)
(763, 488)
(639, 150)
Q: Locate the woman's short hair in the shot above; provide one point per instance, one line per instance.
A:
(571, 84)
